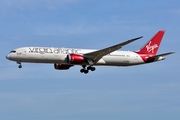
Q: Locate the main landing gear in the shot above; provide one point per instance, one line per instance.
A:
(86, 70)
(20, 66)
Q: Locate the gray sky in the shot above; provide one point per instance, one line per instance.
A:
(39, 92)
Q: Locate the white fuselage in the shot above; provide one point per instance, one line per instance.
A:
(59, 55)
(64, 58)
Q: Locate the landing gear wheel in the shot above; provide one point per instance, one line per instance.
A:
(86, 71)
(82, 70)
(20, 66)
(93, 68)
(88, 68)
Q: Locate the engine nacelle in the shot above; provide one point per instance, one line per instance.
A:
(75, 59)
(59, 66)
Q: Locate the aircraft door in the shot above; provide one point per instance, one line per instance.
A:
(136, 57)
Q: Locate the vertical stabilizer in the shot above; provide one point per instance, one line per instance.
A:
(152, 46)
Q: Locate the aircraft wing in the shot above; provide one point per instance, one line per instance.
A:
(94, 57)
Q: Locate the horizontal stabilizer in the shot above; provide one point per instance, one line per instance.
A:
(164, 54)
(160, 56)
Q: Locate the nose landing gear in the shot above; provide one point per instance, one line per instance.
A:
(20, 66)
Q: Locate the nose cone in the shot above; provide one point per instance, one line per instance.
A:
(7, 56)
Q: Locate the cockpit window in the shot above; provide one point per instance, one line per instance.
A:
(13, 51)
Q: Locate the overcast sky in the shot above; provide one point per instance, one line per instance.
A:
(39, 92)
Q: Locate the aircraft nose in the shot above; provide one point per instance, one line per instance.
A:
(7, 56)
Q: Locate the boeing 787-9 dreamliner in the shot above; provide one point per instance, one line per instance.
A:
(64, 58)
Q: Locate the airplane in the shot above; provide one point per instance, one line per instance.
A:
(64, 58)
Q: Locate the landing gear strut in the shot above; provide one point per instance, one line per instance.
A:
(20, 66)
(86, 70)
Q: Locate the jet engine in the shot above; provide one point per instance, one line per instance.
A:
(59, 66)
(75, 59)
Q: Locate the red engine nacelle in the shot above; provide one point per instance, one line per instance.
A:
(59, 66)
(75, 59)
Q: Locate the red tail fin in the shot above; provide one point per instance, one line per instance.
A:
(151, 47)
